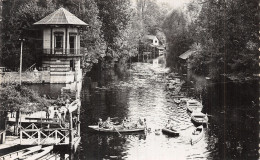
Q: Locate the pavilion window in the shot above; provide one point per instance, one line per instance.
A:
(58, 40)
(72, 43)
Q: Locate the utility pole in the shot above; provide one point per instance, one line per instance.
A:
(21, 60)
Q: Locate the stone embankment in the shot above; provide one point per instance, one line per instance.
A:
(27, 77)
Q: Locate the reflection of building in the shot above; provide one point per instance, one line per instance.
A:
(61, 46)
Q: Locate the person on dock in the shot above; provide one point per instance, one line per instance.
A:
(56, 117)
(48, 112)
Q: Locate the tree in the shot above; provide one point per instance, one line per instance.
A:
(18, 99)
(18, 18)
(228, 32)
(114, 15)
(177, 36)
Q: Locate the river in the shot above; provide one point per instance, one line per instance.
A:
(141, 91)
(232, 132)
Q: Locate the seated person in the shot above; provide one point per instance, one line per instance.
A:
(168, 125)
(108, 123)
(140, 123)
(100, 123)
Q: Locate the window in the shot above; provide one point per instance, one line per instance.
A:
(58, 40)
(72, 43)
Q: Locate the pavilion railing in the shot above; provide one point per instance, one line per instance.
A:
(61, 51)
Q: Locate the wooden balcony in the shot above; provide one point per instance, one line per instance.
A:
(62, 53)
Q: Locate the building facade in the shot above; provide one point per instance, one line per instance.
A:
(61, 46)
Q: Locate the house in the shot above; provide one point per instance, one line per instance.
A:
(151, 40)
(61, 46)
(184, 65)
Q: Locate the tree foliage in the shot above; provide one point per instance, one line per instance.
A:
(177, 35)
(20, 98)
(227, 32)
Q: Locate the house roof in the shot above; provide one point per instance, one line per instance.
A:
(149, 37)
(61, 17)
(186, 54)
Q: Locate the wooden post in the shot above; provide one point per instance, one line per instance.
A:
(21, 62)
(39, 136)
(17, 117)
(21, 136)
(56, 137)
(78, 122)
(70, 132)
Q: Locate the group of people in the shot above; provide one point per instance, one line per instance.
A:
(108, 124)
(126, 123)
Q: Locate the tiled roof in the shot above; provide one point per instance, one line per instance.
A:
(61, 16)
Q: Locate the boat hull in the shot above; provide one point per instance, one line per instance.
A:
(118, 129)
(170, 132)
(196, 138)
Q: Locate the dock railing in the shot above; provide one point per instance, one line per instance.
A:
(54, 136)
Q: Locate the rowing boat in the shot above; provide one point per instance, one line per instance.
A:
(116, 129)
(194, 105)
(197, 135)
(171, 132)
(199, 118)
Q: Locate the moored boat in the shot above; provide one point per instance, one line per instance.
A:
(199, 118)
(74, 105)
(170, 132)
(116, 129)
(194, 105)
(197, 135)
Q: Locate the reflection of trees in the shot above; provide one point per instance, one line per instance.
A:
(115, 145)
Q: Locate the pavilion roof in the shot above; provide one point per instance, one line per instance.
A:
(61, 17)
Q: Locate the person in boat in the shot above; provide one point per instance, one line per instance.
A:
(145, 123)
(100, 123)
(196, 132)
(168, 125)
(108, 123)
(140, 123)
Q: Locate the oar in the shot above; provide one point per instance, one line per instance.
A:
(117, 131)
